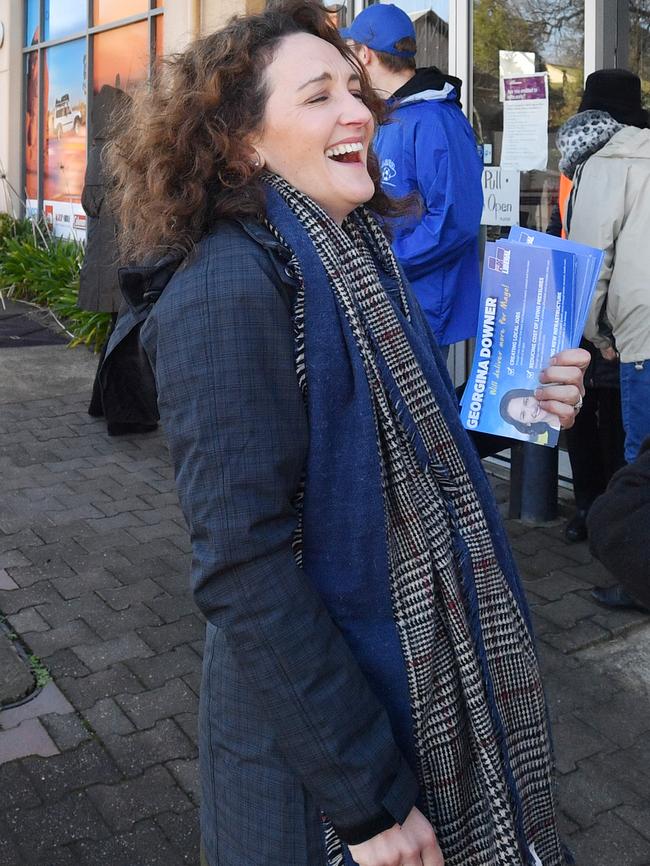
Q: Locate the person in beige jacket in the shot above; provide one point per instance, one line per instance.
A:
(610, 209)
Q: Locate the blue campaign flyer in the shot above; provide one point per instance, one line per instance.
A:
(589, 261)
(526, 316)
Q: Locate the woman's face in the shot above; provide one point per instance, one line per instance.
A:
(316, 130)
(528, 411)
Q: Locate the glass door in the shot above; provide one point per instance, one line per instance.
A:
(514, 42)
(639, 44)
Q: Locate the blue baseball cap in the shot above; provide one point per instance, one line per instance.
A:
(379, 27)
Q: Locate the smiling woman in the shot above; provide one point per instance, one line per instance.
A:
(522, 409)
(369, 665)
(279, 109)
(328, 160)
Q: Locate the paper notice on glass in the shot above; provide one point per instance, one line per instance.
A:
(500, 197)
(514, 64)
(525, 122)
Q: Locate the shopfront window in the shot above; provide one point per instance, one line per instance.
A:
(121, 57)
(32, 23)
(57, 122)
(107, 11)
(64, 127)
(639, 56)
(63, 18)
(31, 126)
(431, 20)
(527, 52)
(159, 24)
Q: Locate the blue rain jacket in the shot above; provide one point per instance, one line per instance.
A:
(429, 146)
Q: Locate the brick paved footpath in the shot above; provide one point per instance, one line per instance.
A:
(101, 767)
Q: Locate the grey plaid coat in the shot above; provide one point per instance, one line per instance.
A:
(289, 727)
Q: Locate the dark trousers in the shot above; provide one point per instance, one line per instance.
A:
(596, 444)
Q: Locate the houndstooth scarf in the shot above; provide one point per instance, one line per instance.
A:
(477, 705)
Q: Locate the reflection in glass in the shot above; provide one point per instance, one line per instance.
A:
(32, 22)
(413, 7)
(31, 125)
(64, 17)
(64, 102)
(121, 57)
(640, 44)
(106, 11)
(159, 23)
(541, 36)
(431, 20)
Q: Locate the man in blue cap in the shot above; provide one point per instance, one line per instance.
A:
(429, 147)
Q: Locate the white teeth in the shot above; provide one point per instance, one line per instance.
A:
(340, 149)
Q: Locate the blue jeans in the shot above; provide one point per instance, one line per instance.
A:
(635, 405)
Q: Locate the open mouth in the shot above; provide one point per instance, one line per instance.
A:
(346, 153)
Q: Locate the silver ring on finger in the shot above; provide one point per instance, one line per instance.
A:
(577, 406)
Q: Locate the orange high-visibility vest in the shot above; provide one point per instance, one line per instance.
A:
(566, 186)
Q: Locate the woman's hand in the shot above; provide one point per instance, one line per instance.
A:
(563, 385)
(412, 844)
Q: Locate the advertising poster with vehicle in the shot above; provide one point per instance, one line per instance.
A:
(64, 153)
(63, 219)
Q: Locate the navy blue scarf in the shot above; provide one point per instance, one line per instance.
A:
(344, 538)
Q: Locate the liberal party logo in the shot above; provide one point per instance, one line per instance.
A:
(388, 171)
(500, 262)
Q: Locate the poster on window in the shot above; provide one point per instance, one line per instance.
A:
(121, 57)
(65, 219)
(514, 64)
(525, 123)
(64, 139)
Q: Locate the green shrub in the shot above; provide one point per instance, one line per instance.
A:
(38, 230)
(36, 267)
(6, 226)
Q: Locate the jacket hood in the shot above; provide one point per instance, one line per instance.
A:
(583, 135)
(142, 285)
(429, 84)
(629, 142)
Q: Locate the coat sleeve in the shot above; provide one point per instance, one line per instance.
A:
(448, 180)
(618, 526)
(234, 416)
(597, 213)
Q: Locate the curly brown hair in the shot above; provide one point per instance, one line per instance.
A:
(182, 158)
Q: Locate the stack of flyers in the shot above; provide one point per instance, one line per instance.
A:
(589, 262)
(535, 296)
